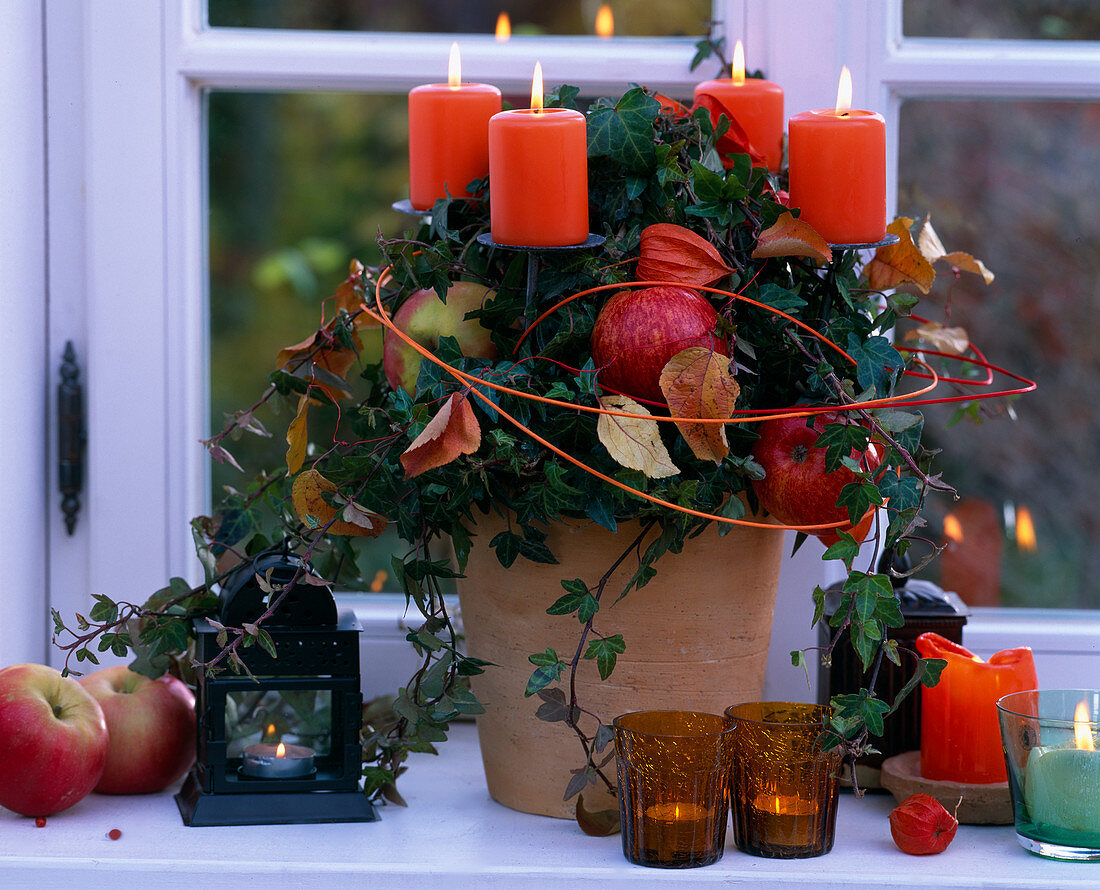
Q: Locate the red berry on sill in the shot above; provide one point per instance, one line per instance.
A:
(40, 822)
(114, 834)
(920, 825)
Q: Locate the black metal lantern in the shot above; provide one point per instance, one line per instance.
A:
(281, 746)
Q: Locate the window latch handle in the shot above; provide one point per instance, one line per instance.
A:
(72, 436)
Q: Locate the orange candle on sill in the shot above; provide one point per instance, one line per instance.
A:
(838, 170)
(960, 738)
(756, 105)
(538, 175)
(448, 136)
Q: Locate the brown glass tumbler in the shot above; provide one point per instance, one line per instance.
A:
(783, 787)
(673, 786)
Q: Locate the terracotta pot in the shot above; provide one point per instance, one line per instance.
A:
(696, 639)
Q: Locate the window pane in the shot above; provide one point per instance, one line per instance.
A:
(298, 185)
(1020, 19)
(648, 18)
(1011, 183)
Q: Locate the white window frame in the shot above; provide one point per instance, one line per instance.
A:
(126, 238)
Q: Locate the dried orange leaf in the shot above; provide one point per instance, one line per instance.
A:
(297, 437)
(964, 262)
(635, 443)
(453, 431)
(329, 354)
(900, 263)
(349, 299)
(943, 339)
(597, 823)
(697, 384)
(672, 253)
(931, 247)
(308, 496)
(788, 236)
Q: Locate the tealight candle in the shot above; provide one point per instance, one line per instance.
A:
(448, 136)
(538, 175)
(1062, 785)
(277, 761)
(838, 170)
(754, 104)
(785, 820)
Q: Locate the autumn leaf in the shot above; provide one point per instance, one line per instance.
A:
(900, 263)
(672, 253)
(349, 299)
(943, 339)
(931, 247)
(635, 443)
(697, 384)
(453, 431)
(792, 237)
(308, 496)
(297, 437)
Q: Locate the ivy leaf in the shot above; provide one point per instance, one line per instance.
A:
(933, 250)
(697, 383)
(624, 133)
(792, 237)
(606, 651)
(632, 442)
(597, 823)
(876, 362)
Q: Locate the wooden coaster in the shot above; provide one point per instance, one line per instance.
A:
(977, 804)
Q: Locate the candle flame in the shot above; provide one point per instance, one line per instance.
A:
(1025, 531)
(605, 22)
(504, 27)
(737, 72)
(952, 528)
(281, 750)
(844, 92)
(536, 89)
(676, 811)
(454, 68)
(271, 729)
(1082, 731)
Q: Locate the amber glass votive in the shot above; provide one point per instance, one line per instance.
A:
(783, 787)
(673, 786)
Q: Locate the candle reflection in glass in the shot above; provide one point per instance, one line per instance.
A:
(673, 769)
(783, 787)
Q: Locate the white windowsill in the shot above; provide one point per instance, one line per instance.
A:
(452, 834)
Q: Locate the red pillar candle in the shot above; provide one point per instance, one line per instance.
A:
(448, 136)
(838, 170)
(960, 739)
(538, 175)
(753, 104)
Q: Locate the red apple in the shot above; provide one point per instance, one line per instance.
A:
(637, 332)
(53, 740)
(151, 725)
(426, 318)
(796, 489)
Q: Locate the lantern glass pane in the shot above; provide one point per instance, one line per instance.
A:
(270, 716)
